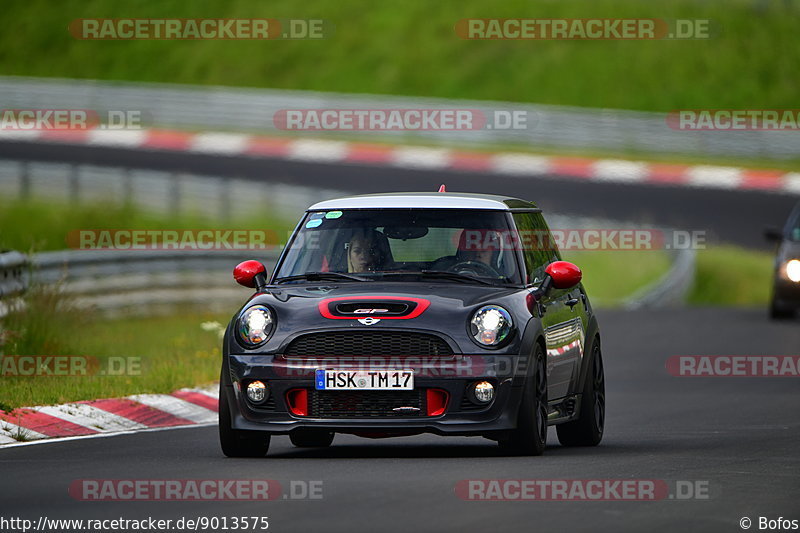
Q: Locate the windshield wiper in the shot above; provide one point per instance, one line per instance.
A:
(319, 276)
(440, 274)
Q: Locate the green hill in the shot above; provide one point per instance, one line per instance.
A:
(410, 47)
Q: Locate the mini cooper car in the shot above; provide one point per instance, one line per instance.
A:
(786, 273)
(407, 313)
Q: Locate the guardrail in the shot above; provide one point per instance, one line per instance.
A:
(119, 283)
(13, 280)
(672, 288)
(669, 290)
(146, 282)
(214, 197)
(239, 109)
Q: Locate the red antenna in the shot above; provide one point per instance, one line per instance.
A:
(442, 188)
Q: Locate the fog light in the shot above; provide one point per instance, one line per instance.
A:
(256, 392)
(483, 391)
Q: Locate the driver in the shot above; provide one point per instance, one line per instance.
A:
(365, 251)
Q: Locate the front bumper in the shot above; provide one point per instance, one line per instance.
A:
(454, 375)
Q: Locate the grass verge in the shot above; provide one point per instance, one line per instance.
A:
(38, 226)
(104, 359)
(732, 276)
(412, 49)
(602, 278)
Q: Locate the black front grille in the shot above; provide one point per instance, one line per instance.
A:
(368, 343)
(367, 404)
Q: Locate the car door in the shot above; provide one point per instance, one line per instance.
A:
(563, 310)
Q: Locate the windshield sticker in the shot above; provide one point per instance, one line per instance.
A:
(314, 223)
(333, 214)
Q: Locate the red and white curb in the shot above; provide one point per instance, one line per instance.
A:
(186, 407)
(561, 350)
(415, 157)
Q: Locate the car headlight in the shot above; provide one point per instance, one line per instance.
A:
(793, 270)
(490, 325)
(255, 325)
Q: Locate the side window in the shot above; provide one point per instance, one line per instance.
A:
(538, 246)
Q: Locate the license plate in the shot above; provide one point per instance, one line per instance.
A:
(364, 380)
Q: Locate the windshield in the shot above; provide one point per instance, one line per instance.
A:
(450, 245)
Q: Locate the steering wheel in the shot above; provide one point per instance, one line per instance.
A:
(475, 267)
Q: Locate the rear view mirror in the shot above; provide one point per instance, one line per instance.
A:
(405, 232)
(773, 234)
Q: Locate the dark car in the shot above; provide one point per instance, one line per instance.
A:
(407, 313)
(786, 286)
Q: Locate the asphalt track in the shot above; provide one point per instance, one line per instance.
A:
(730, 216)
(738, 435)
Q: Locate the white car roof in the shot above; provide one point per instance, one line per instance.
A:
(410, 200)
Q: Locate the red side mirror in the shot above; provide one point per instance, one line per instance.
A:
(245, 273)
(565, 275)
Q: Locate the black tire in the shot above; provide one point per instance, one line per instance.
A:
(587, 430)
(236, 442)
(530, 436)
(311, 438)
